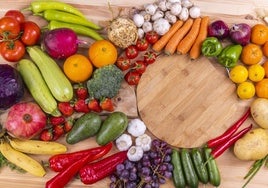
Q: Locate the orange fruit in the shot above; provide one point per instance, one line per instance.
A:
(259, 34)
(265, 49)
(251, 54)
(77, 68)
(265, 66)
(262, 88)
(102, 53)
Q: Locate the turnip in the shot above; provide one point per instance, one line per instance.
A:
(61, 43)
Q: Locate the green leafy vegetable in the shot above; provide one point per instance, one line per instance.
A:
(5, 163)
(105, 82)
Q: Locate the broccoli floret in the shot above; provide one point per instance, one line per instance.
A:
(105, 82)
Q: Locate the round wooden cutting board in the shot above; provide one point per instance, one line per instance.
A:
(187, 102)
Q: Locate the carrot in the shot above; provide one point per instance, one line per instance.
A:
(203, 31)
(173, 42)
(186, 43)
(160, 44)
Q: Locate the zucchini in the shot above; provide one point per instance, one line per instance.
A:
(57, 82)
(37, 87)
(178, 176)
(199, 165)
(188, 168)
(213, 171)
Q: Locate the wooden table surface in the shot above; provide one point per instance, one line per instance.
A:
(232, 170)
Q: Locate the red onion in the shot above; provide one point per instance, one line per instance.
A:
(240, 33)
(218, 29)
(60, 43)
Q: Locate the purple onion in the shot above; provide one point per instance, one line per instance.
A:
(240, 33)
(218, 29)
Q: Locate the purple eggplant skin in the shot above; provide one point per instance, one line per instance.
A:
(218, 29)
(11, 86)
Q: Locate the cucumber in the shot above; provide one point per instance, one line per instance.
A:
(178, 176)
(84, 127)
(112, 127)
(59, 85)
(199, 165)
(37, 87)
(188, 168)
(213, 171)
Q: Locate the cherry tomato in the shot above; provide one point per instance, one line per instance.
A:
(12, 50)
(139, 67)
(142, 44)
(132, 77)
(9, 27)
(132, 52)
(31, 33)
(152, 37)
(123, 63)
(16, 14)
(149, 57)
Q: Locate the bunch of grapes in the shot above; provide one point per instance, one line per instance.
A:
(150, 172)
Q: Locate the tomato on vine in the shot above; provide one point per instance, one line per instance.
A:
(31, 33)
(18, 15)
(12, 50)
(9, 27)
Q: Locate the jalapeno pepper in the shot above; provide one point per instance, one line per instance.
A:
(230, 55)
(211, 47)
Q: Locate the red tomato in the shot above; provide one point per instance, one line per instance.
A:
(131, 52)
(123, 63)
(149, 57)
(12, 50)
(139, 67)
(142, 44)
(16, 14)
(31, 33)
(132, 78)
(9, 27)
(151, 37)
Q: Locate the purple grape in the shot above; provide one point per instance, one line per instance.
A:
(125, 174)
(133, 176)
(162, 180)
(147, 186)
(129, 164)
(146, 163)
(153, 154)
(155, 184)
(169, 167)
(157, 160)
(167, 158)
(147, 179)
(168, 174)
(145, 171)
(119, 168)
(113, 178)
(131, 185)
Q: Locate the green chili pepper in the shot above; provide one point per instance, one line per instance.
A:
(230, 55)
(78, 29)
(40, 6)
(68, 18)
(211, 47)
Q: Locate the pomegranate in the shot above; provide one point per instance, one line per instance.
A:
(25, 120)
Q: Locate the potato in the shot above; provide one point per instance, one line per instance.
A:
(253, 145)
(259, 112)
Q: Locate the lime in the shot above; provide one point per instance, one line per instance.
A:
(238, 74)
(256, 72)
(245, 90)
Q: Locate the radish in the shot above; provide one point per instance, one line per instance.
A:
(60, 43)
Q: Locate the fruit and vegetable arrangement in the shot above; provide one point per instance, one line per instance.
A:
(58, 83)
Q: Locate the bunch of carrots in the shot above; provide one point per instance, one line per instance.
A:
(184, 37)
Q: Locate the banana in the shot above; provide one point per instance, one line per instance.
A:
(22, 160)
(37, 146)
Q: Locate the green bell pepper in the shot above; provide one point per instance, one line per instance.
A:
(211, 47)
(229, 56)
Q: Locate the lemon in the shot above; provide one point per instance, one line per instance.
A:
(256, 72)
(238, 74)
(245, 90)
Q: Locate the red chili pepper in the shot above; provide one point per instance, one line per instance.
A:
(60, 162)
(216, 152)
(63, 177)
(93, 172)
(229, 132)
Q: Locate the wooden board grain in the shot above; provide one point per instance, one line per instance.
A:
(193, 100)
(232, 170)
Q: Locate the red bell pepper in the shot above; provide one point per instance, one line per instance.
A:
(60, 162)
(93, 172)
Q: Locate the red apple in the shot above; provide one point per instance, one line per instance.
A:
(25, 120)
